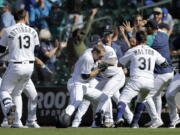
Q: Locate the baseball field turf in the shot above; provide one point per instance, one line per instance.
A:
(89, 131)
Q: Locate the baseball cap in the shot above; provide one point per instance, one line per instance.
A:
(94, 39)
(164, 25)
(151, 23)
(157, 10)
(4, 5)
(108, 30)
(45, 34)
(165, 10)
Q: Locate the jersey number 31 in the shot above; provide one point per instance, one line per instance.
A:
(145, 63)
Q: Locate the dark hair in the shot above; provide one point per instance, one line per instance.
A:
(141, 36)
(151, 23)
(19, 14)
(98, 48)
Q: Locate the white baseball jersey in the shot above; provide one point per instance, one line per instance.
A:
(142, 60)
(84, 65)
(20, 40)
(110, 58)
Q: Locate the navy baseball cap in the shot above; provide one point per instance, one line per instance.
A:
(151, 23)
(94, 39)
(108, 30)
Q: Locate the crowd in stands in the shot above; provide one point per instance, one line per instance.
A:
(59, 22)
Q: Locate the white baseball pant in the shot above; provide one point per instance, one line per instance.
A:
(111, 87)
(172, 90)
(31, 94)
(154, 98)
(14, 81)
(77, 90)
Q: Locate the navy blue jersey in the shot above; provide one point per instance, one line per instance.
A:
(161, 44)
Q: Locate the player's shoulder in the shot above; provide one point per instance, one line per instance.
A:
(87, 54)
(108, 48)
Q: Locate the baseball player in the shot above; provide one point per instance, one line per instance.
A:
(112, 80)
(31, 93)
(142, 62)
(172, 90)
(160, 42)
(78, 84)
(20, 40)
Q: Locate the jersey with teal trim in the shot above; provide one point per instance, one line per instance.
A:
(161, 44)
(142, 60)
(20, 39)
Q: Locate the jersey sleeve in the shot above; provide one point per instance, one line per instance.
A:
(4, 39)
(86, 66)
(126, 58)
(159, 58)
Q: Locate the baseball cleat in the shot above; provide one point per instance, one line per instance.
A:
(18, 126)
(134, 125)
(32, 124)
(99, 119)
(119, 122)
(75, 124)
(108, 124)
(174, 123)
(157, 123)
(5, 124)
(148, 124)
(10, 114)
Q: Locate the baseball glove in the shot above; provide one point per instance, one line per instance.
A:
(102, 66)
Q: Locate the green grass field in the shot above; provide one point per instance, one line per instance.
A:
(89, 131)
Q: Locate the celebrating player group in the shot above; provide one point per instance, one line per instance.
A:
(98, 76)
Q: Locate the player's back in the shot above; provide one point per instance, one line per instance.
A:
(20, 40)
(84, 65)
(142, 61)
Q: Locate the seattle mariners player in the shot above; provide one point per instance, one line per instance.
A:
(172, 90)
(21, 40)
(160, 42)
(31, 93)
(142, 62)
(112, 80)
(78, 84)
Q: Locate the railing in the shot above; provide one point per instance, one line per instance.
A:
(154, 5)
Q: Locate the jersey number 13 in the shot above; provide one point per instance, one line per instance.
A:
(26, 43)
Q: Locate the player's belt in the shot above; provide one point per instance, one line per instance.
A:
(22, 62)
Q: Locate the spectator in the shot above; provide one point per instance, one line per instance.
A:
(94, 40)
(108, 40)
(56, 19)
(123, 43)
(39, 11)
(76, 45)
(162, 16)
(74, 18)
(167, 19)
(47, 53)
(7, 19)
